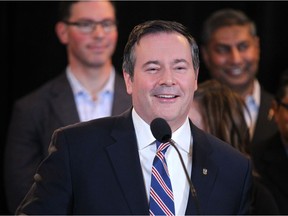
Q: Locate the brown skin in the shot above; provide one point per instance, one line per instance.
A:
(232, 57)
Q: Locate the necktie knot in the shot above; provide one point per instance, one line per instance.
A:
(162, 147)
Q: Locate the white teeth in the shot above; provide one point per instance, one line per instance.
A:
(236, 71)
(166, 96)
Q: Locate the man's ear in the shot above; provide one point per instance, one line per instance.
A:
(128, 82)
(61, 31)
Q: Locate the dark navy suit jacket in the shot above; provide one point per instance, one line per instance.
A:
(34, 119)
(94, 168)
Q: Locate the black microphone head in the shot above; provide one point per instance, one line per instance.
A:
(161, 130)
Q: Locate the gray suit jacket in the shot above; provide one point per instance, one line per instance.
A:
(34, 119)
(94, 168)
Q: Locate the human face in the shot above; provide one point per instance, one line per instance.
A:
(232, 57)
(164, 79)
(93, 49)
(281, 117)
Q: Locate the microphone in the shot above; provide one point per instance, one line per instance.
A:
(163, 133)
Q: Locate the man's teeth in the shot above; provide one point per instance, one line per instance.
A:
(166, 96)
(236, 71)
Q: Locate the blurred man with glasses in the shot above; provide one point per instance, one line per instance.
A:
(89, 88)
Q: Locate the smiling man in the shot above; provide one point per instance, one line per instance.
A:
(105, 166)
(90, 87)
(231, 52)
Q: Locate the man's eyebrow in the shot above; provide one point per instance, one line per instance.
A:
(180, 60)
(151, 62)
(222, 44)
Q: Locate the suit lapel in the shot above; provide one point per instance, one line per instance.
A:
(125, 159)
(62, 101)
(204, 172)
(261, 132)
(121, 101)
(64, 106)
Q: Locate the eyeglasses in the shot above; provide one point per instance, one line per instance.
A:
(282, 104)
(88, 26)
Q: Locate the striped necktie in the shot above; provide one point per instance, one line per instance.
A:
(161, 194)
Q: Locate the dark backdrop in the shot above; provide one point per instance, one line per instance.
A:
(31, 53)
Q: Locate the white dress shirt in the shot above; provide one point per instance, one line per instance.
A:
(147, 151)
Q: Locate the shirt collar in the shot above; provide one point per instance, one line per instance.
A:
(78, 88)
(146, 138)
(255, 96)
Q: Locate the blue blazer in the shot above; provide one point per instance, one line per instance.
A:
(94, 168)
(33, 121)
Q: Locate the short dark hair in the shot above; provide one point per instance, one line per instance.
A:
(225, 17)
(64, 9)
(153, 27)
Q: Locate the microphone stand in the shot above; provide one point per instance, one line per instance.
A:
(192, 188)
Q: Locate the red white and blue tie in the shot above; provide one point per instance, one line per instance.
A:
(161, 194)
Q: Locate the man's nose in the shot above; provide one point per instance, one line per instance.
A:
(167, 77)
(236, 56)
(98, 31)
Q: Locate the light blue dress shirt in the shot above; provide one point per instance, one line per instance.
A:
(253, 104)
(87, 107)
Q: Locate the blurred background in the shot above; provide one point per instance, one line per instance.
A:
(31, 53)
